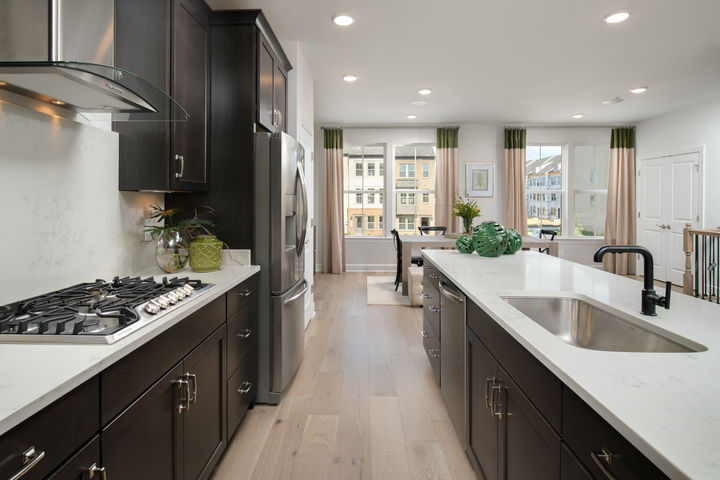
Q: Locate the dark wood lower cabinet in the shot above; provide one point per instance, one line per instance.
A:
(570, 467)
(529, 447)
(145, 440)
(482, 439)
(204, 422)
(80, 464)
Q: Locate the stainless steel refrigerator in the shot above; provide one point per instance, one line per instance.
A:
(281, 214)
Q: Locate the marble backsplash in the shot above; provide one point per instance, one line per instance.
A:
(63, 219)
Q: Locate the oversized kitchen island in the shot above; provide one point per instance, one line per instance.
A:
(571, 411)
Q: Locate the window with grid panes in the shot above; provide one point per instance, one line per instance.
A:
(364, 184)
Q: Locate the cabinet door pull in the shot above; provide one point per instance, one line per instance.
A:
(244, 293)
(496, 389)
(244, 388)
(426, 334)
(99, 470)
(488, 382)
(607, 457)
(434, 276)
(30, 458)
(191, 377)
(245, 333)
(434, 308)
(184, 405)
(181, 158)
(434, 353)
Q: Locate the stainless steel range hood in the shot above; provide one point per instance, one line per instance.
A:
(56, 57)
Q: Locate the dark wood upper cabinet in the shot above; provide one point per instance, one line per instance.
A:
(265, 88)
(165, 42)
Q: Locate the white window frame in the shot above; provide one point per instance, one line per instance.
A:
(372, 191)
(564, 219)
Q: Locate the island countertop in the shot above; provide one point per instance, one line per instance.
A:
(32, 376)
(666, 404)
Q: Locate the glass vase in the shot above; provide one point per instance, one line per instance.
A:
(467, 225)
(206, 253)
(171, 253)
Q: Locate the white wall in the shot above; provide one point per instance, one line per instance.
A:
(301, 126)
(685, 129)
(64, 220)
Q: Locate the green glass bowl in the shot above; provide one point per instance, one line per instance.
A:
(489, 240)
(464, 244)
(206, 253)
(513, 241)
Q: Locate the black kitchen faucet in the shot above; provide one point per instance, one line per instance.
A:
(649, 297)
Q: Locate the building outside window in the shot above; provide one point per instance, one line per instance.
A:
(544, 188)
(426, 170)
(363, 188)
(406, 222)
(424, 221)
(426, 197)
(406, 169)
(371, 222)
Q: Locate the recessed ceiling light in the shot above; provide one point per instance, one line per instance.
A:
(349, 78)
(419, 102)
(343, 20)
(617, 17)
(411, 116)
(424, 91)
(58, 102)
(578, 115)
(638, 90)
(2, 84)
(610, 101)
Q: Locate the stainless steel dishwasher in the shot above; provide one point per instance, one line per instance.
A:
(452, 346)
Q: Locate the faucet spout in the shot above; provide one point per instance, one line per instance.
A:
(649, 298)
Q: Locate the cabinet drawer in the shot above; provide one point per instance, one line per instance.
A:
(56, 431)
(588, 434)
(431, 302)
(241, 295)
(241, 391)
(78, 466)
(125, 380)
(431, 343)
(242, 335)
(533, 378)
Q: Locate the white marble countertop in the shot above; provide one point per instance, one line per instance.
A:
(33, 376)
(666, 404)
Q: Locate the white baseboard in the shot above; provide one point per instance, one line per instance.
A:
(362, 267)
(309, 312)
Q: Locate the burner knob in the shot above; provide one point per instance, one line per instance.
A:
(172, 296)
(180, 293)
(152, 307)
(188, 289)
(163, 300)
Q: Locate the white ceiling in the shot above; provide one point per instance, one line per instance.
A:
(501, 61)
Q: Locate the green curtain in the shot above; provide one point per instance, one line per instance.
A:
(333, 259)
(333, 138)
(447, 178)
(514, 201)
(620, 213)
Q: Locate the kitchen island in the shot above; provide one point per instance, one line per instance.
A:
(168, 395)
(667, 405)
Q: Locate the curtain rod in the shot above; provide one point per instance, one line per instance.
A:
(325, 127)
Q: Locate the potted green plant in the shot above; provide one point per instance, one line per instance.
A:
(467, 210)
(175, 238)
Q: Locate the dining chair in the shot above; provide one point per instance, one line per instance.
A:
(417, 259)
(545, 233)
(427, 230)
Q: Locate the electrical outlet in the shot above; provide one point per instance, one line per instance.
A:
(147, 223)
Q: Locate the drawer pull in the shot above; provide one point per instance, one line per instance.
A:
(604, 456)
(94, 469)
(245, 333)
(425, 295)
(434, 353)
(244, 388)
(434, 276)
(426, 334)
(30, 458)
(434, 308)
(244, 293)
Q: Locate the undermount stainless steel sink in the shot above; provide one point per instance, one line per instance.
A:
(585, 325)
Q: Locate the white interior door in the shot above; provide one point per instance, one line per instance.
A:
(668, 198)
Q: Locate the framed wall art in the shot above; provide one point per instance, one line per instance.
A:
(479, 179)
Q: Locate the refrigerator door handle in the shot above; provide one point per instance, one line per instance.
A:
(303, 189)
(297, 295)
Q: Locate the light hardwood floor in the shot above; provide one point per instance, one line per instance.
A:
(363, 404)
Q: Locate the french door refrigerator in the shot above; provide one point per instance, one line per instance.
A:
(281, 214)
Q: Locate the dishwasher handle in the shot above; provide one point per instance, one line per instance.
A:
(452, 296)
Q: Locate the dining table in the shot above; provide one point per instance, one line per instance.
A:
(413, 244)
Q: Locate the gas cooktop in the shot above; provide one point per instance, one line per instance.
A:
(95, 312)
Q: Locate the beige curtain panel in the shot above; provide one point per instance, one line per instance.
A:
(447, 178)
(620, 218)
(514, 201)
(333, 260)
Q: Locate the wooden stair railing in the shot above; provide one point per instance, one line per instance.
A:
(705, 282)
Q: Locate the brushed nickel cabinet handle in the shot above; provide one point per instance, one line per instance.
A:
(426, 295)
(496, 389)
(30, 458)
(99, 470)
(434, 308)
(181, 158)
(426, 334)
(488, 382)
(191, 377)
(184, 405)
(434, 353)
(607, 457)
(245, 333)
(244, 293)
(244, 388)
